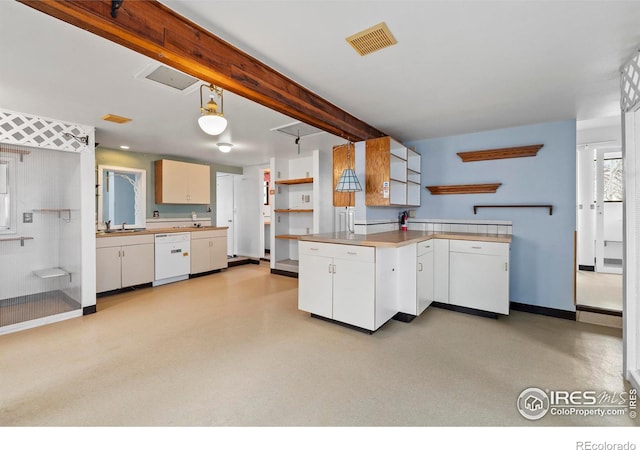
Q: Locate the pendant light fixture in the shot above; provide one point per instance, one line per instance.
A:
(211, 121)
(348, 181)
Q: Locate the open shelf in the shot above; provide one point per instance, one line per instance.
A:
(288, 236)
(500, 153)
(15, 151)
(295, 181)
(490, 188)
(54, 272)
(550, 207)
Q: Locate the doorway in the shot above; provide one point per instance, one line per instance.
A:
(600, 234)
(225, 210)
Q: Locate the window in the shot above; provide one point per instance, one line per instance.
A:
(7, 196)
(613, 181)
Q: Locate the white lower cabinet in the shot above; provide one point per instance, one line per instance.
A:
(479, 275)
(339, 282)
(208, 250)
(425, 275)
(124, 261)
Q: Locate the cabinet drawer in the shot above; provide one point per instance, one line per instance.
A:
(479, 247)
(208, 234)
(351, 252)
(119, 241)
(425, 246)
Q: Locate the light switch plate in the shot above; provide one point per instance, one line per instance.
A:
(27, 217)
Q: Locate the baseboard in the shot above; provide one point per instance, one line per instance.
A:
(463, 309)
(404, 317)
(587, 268)
(126, 289)
(242, 262)
(89, 310)
(544, 311)
(346, 325)
(595, 310)
(284, 273)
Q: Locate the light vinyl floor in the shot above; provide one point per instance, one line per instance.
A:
(232, 349)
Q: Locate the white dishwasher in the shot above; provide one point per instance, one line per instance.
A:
(173, 259)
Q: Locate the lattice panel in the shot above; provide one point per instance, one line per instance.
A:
(630, 84)
(32, 131)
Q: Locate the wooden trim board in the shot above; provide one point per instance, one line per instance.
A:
(487, 188)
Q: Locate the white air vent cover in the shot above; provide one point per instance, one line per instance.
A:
(169, 77)
(298, 129)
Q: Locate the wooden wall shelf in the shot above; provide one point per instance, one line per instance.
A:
(500, 153)
(490, 188)
(550, 207)
(15, 151)
(295, 181)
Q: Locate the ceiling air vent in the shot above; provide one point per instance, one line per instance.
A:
(372, 39)
(298, 129)
(168, 77)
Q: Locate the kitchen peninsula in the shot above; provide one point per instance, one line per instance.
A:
(364, 280)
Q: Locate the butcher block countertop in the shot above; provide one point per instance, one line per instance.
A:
(135, 232)
(400, 238)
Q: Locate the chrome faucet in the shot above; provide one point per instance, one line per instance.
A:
(123, 224)
(108, 225)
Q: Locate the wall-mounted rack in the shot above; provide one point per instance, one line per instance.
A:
(550, 207)
(500, 153)
(489, 188)
(15, 151)
(19, 238)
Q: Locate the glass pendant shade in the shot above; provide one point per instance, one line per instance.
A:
(212, 124)
(224, 148)
(348, 182)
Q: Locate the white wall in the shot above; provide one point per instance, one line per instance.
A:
(248, 206)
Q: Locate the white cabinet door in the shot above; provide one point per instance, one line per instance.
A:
(441, 270)
(354, 293)
(424, 279)
(219, 253)
(200, 255)
(480, 281)
(199, 184)
(137, 264)
(315, 285)
(108, 269)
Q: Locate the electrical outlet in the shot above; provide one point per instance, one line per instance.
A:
(27, 217)
(306, 198)
(278, 219)
(307, 230)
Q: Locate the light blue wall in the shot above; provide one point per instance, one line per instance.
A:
(542, 248)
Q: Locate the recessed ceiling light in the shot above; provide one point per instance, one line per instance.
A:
(124, 147)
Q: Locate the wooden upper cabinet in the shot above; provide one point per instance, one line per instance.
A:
(340, 163)
(392, 173)
(178, 182)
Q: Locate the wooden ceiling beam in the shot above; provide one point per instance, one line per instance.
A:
(152, 29)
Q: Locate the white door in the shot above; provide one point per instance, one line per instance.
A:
(608, 246)
(248, 212)
(224, 209)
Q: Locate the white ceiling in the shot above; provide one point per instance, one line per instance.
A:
(458, 67)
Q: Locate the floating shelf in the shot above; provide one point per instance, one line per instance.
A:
(20, 238)
(550, 207)
(464, 189)
(293, 210)
(55, 272)
(295, 181)
(500, 153)
(287, 236)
